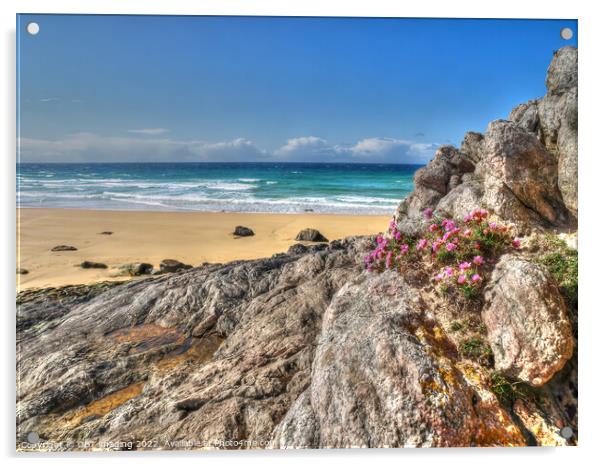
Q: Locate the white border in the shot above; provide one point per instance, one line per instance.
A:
(590, 154)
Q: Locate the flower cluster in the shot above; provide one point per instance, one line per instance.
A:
(389, 252)
(457, 250)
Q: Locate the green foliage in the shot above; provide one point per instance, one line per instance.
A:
(469, 292)
(507, 392)
(456, 326)
(476, 349)
(562, 262)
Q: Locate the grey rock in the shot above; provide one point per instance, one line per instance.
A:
(243, 231)
(213, 353)
(92, 265)
(137, 268)
(297, 249)
(367, 351)
(310, 234)
(562, 72)
(63, 247)
(471, 146)
(172, 265)
(553, 119)
(516, 165)
(527, 322)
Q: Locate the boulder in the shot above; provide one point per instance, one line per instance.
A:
(243, 231)
(309, 234)
(376, 384)
(528, 326)
(63, 247)
(92, 265)
(442, 174)
(172, 265)
(516, 165)
(553, 118)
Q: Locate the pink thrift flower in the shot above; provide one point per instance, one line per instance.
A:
(516, 243)
(476, 278)
(397, 235)
(493, 225)
(405, 249)
(467, 218)
(438, 277)
(434, 227)
(464, 265)
(421, 244)
(428, 213)
(389, 260)
(467, 233)
(461, 279)
(450, 246)
(449, 271)
(379, 239)
(478, 260)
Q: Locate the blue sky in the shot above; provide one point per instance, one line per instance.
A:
(152, 88)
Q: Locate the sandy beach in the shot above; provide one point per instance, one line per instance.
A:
(151, 236)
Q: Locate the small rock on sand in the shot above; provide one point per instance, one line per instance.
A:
(105, 233)
(63, 247)
(93, 265)
(243, 231)
(137, 268)
(309, 234)
(172, 265)
(21, 271)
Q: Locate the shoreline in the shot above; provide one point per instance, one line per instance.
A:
(192, 237)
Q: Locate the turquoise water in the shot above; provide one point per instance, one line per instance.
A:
(232, 187)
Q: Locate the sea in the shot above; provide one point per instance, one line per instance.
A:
(368, 189)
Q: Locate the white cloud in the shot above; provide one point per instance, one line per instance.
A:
(149, 131)
(307, 149)
(389, 150)
(90, 147)
(49, 99)
(378, 150)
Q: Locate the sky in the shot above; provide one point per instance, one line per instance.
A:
(218, 89)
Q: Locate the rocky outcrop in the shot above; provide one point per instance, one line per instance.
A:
(524, 170)
(553, 118)
(527, 322)
(374, 383)
(215, 353)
